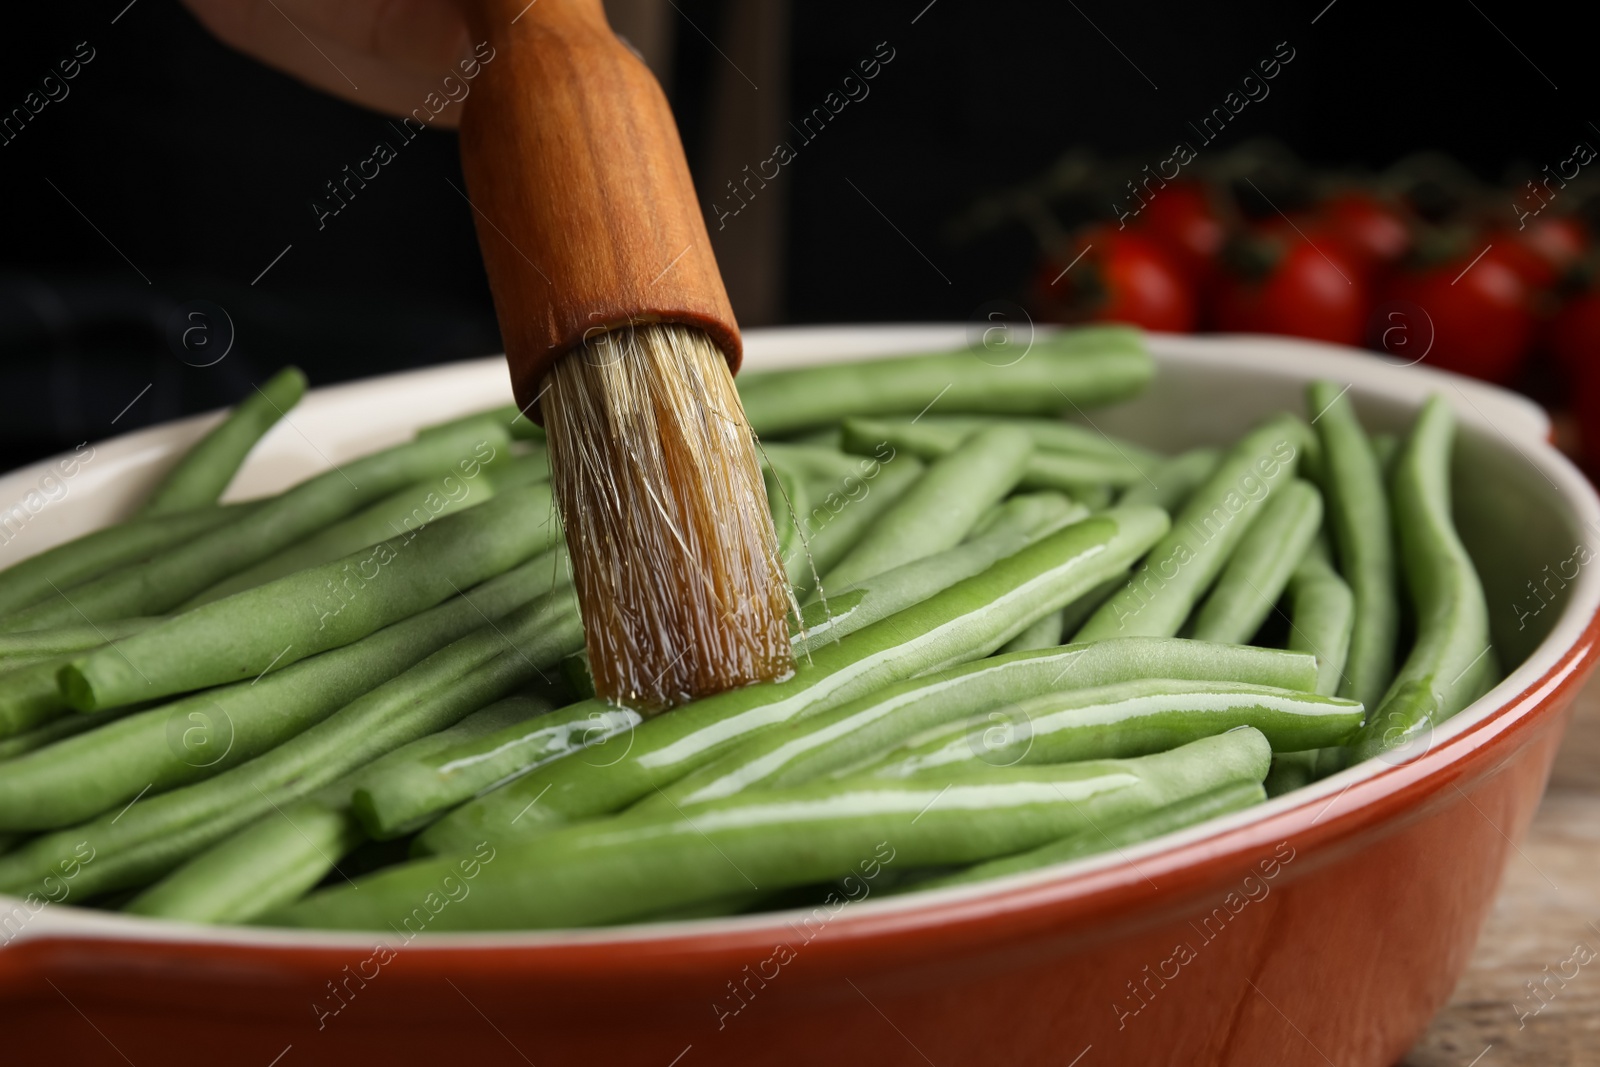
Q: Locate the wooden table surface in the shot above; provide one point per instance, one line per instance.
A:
(1544, 929)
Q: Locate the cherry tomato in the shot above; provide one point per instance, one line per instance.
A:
(1370, 228)
(1574, 339)
(1288, 283)
(1184, 220)
(1479, 313)
(1534, 269)
(1111, 275)
(1542, 251)
(1560, 239)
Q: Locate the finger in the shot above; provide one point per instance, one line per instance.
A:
(266, 30)
(424, 36)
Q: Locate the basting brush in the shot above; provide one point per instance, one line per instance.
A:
(621, 341)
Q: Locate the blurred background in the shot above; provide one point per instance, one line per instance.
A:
(1416, 179)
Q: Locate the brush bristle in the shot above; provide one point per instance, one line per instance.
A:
(673, 552)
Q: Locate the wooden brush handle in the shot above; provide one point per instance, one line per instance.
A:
(586, 214)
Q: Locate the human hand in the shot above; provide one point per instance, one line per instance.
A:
(387, 55)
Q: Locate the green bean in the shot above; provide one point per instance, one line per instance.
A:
(1169, 485)
(1055, 435)
(1363, 536)
(1404, 720)
(1452, 617)
(1192, 810)
(40, 577)
(505, 415)
(966, 621)
(1259, 569)
(1452, 625)
(404, 512)
(1321, 613)
(936, 512)
(1044, 512)
(825, 741)
(1291, 771)
(525, 429)
(618, 868)
(822, 437)
(200, 477)
(1068, 472)
(577, 675)
(18, 649)
(523, 464)
(810, 462)
(408, 794)
(1057, 505)
(283, 855)
(1164, 588)
(842, 513)
(176, 574)
(152, 836)
(1093, 497)
(210, 732)
(29, 696)
(1126, 719)
(1018, 522)
(1096, 365)
(1385, 446)
(1046, 633)
(1075, 614)
(271, 626)
(53, 731)
(270, 863)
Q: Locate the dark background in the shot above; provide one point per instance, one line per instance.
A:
(199, 166)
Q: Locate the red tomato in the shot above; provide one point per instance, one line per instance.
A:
(1535, 270)
(1575, 341)
(1182, 218)
(1111, 275)
(1303, 286)
(1369, 227)
(1479, 311)
(1560, 239)
(1542, 251)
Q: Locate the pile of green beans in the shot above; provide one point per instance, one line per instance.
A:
(403, 513)
(169, 577)
(40, 577)
(1452, 661)
(1071, 472)
(207, 733)
(1164, 589)
(613, 869)
(278, 859)
(152, 836)
(941, 508)
(1130, 719)
(825, 742)
(273, 625)
(967, 621)
(1012, 526)
(1084, 367)
(227, 702)
(1192, 810)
